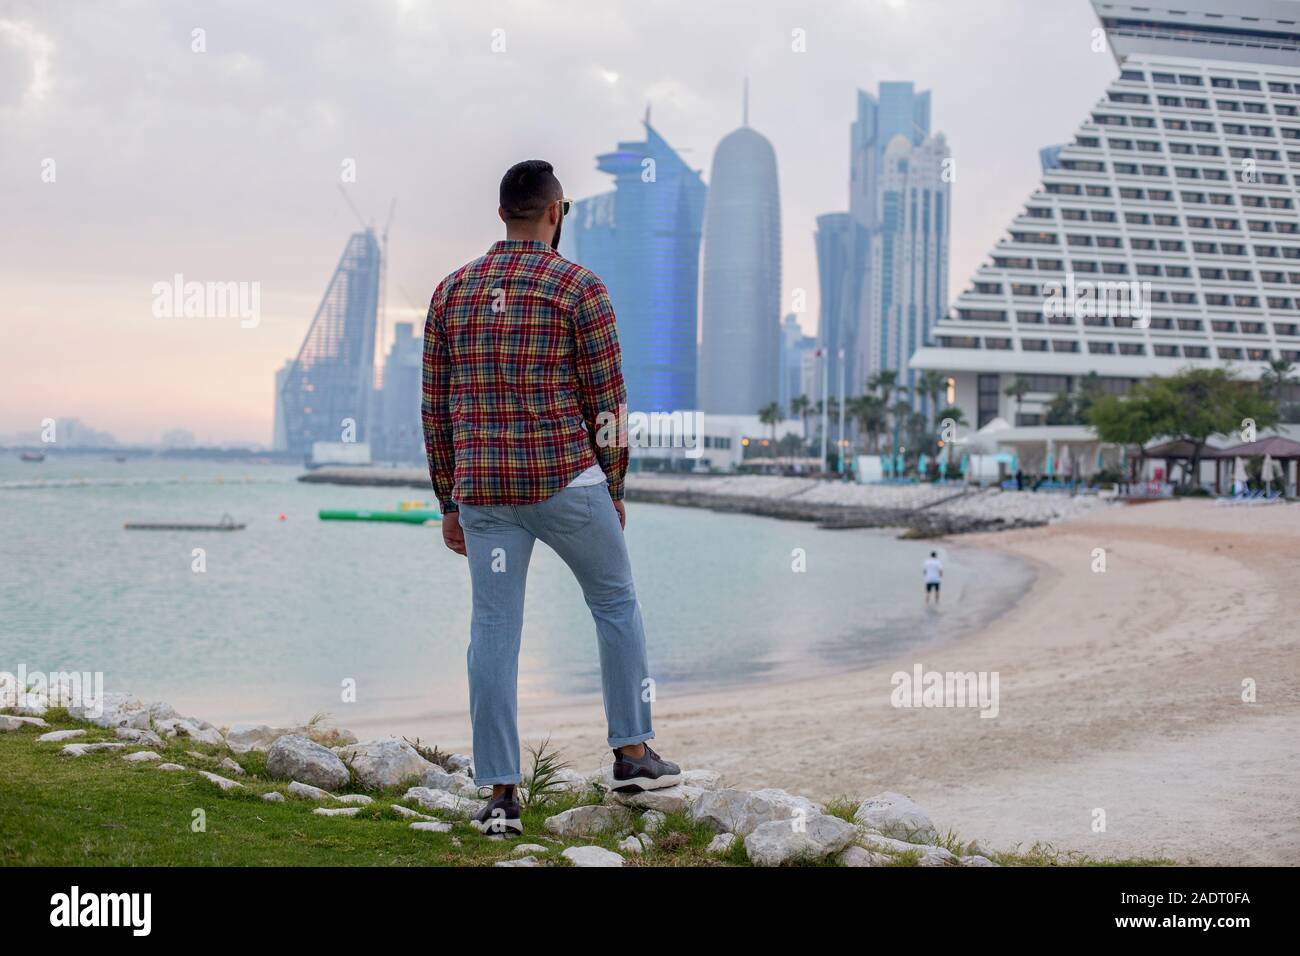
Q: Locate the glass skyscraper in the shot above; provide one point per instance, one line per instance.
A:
(643, 239)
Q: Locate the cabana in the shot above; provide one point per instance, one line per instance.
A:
(1279, 449)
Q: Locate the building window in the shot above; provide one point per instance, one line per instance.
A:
(989, 397)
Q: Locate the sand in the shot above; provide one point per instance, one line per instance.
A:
(1119, 691)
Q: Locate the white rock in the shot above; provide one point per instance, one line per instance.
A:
(526, 861)
(138, 736)
(930, 855)
(294, 757)
(523, 849)
(384, 763)
(197, 755)
(80, 750)
(858, 856)
(336, 811)
(461, 763)
(142, 756)
(895, 815)
(243, 738)
(781, 841)
(668, 800)
(273, 796)
(458, 783)
(742, 811)
(356, 799)
(704, 779)
(56, 735)
(10, 722)
(630, 845)
(116, 710)
(652, 820)
(222, 782)
(976, 861)
(587, 821)
(722, 843)
(193, 729)
(975, 848)
(408, 812)
(570, 780)
(170, 766)
(233, 767)
(591, 856)
(442, 800)
(305, 791)
(431, 826)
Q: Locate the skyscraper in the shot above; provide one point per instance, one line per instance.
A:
(740, 343)
(796, 349)
(855, 249)
(1184, 176)
(331, 382)
(398, 433)
(643, 239)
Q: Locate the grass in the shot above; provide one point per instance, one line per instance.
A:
(99, 810)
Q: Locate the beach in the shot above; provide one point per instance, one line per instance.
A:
(1120, 694)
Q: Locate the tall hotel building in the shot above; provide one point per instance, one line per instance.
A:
(1186, 176)
(643, 239)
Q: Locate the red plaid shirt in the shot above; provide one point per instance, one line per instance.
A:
(520, 357)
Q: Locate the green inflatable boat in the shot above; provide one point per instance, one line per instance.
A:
(403, 516)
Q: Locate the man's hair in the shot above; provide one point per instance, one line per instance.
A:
(934, 554)
(528, 188)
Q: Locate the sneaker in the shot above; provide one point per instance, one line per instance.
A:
(500, 817)
(649, 772)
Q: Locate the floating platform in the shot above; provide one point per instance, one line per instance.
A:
(227, 523)
(402, 516)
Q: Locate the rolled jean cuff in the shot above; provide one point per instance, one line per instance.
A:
(509, 778)
(616, 742)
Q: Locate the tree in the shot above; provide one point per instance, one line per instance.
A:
(955, 413)
(1192, 406)
(869, 413)
(1060, 411)
(1278, 381)
(1018, 389)
(931, 385)
(770, 415)
(800, 405)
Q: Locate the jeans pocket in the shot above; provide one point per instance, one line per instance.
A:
(568, 510)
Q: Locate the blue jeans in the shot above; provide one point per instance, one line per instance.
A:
(581, 526)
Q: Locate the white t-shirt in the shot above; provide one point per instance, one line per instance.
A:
(933, 570)
(592, 476)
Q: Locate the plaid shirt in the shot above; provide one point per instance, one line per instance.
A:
(520, 357)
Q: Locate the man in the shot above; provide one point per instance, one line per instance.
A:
(522, 375)
(933, 572)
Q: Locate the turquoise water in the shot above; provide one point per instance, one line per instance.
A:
(288, 610)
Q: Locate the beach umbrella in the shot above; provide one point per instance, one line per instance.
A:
(922, 464)
(1015, 463)
(1239, 476)
(1050, 464)
(965, 463)
(1271, 471)
(901, 468)
(1101, 460)
(1063, 462)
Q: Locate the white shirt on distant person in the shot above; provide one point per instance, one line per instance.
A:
(933, 570)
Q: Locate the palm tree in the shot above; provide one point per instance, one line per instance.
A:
(800, 405)
(770, 415)
(931, 385)
(1275, 378)
(953, 412)
(1018, 389)
(869, 413)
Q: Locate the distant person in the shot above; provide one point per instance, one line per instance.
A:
(521, 369)
(932, 570)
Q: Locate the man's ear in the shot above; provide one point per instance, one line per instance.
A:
(501, 214)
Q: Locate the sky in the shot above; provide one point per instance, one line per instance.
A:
(141, 139)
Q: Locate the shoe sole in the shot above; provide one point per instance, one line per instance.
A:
(641, 784)
(498, 826)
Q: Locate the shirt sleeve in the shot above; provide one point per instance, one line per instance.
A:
(601, 391)
(435, 410)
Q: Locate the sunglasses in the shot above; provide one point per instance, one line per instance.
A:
(565, 206)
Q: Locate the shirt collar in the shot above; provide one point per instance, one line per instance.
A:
(502, 246)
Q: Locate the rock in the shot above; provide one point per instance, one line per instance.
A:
(570, 780)
(442, 800)
(526, 861)
(384, 763)
(975, 861)
(431, 826)
(195, 730)
(233, 767)
(894, 815)
(356, 799)
(524, 848)
(80, 750)
(458, 783)
(199, 756)
(703, 779)
(305, 791)
(742, 811)
(274, 796)
(408, 812)
(668, 800)
(120, 710)
(460, 763)
(223, 782)
(631, 845)
(975, 848)
(170, 766)
(587, 821)
(722, 843)
(10, 722)
(652, 820)
(591, 856)
(242, 738)
(141, 756)
(781, 841)
(936, 856)
(56, 735)
(858, 856)
(930, 855)
(138, 736)
(293, 757)
(336, 811)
